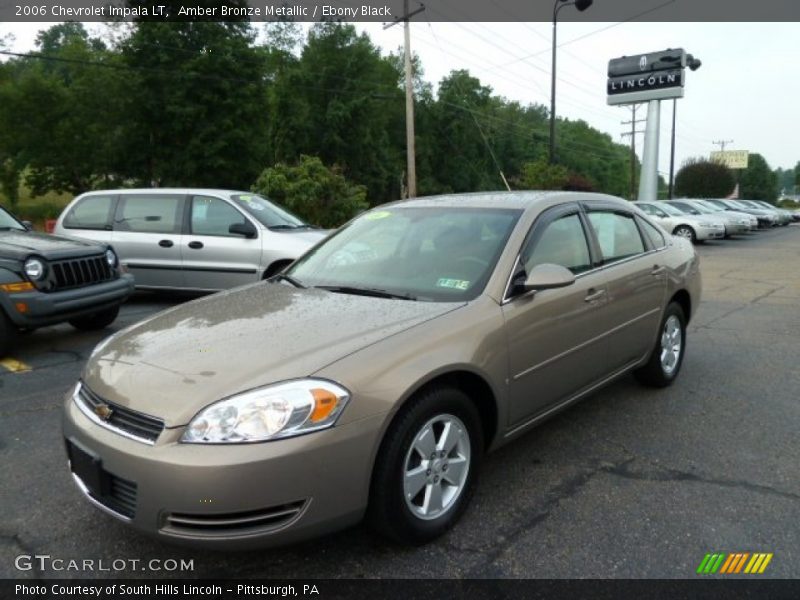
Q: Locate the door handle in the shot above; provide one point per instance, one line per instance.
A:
(594, 295)
(166, 243)
(195, 245)
(658, 269)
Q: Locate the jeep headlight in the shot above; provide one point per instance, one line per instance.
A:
(268, 413)
(34, 269)
(111, 258)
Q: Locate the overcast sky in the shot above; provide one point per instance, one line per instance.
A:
(747, 90)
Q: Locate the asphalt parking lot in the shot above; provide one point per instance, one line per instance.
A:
(629, 483)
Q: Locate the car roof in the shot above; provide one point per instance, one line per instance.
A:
(500, 199)
(167, 190)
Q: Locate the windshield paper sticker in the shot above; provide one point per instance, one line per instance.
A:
(380, 214)
(455, 284)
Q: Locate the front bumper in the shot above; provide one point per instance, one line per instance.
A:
(733, 228)
(710, 233)
(56, 307)
(233, 496)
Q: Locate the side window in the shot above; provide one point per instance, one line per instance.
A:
(652, 232)
(212, 216)
(90, 213)
(150, 213)
(563, 242)
(651, 210)
(617, 234)
(687, 208)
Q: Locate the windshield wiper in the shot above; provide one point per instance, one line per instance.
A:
(290, 279)
(287, 226)
(357, 291)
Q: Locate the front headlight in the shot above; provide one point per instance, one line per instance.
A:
(272, 412)
(34, 269)
(111, 258)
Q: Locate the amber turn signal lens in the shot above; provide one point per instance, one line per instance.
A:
(21, 307)
(324, 403)
(21, 286)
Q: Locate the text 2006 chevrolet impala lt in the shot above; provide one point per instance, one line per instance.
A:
(370, 377)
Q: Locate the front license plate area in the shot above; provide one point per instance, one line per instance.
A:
(89, 468)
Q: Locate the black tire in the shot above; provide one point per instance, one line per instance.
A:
(687, 232)
(655, 373)
(389, 512)
(95, 321)
(8, 333)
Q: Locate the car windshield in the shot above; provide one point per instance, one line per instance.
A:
(267, 213)
(702, 208)
(8, 222)
(440, 254)
(670, 210)
(718, 203)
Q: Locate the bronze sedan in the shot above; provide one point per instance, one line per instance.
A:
(371, 376)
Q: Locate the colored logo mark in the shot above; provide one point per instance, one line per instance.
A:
(735, 562)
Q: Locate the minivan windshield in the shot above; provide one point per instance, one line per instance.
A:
(8, 222)
(267, 213)
(440, 254)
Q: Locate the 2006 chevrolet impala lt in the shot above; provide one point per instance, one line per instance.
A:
(370, 377)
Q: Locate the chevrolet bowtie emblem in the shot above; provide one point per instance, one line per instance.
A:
(104, 411)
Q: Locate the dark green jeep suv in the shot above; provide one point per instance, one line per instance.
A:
(46, 279)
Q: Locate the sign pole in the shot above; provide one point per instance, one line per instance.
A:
(648, 181)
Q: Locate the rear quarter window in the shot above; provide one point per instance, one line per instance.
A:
(92, 212)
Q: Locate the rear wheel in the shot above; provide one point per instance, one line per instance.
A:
(95, 321)
(687, 232)
(427, 467)
(667, 357)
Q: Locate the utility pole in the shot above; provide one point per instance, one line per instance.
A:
(411, 161)
(722, 144)
(672, 150)
(632, 135)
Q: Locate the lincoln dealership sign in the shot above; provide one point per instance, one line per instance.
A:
(644, 77)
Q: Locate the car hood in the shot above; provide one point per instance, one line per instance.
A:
(21, 244)
(181, 360)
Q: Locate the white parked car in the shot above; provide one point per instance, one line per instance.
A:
(734, 223)
(191, 239)
(694, 228)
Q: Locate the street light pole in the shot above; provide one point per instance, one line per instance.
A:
(581, 5)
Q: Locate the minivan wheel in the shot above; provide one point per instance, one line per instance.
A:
(95, 321)
(427, 467)
(687, 232)
(667, 357)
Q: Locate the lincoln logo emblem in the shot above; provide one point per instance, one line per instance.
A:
(103, 411)
(643, 63)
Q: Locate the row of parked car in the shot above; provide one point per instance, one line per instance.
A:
(701, 220)
(108, 242)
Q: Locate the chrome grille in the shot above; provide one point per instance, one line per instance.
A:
(233, 523)
(123, 420)
(80, 272)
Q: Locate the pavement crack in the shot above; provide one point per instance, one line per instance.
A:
(509, 535)
(659, 473)
(14, 539)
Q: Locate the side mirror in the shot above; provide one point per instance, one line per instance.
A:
(547, 277)
(246, 229)
(27, 225)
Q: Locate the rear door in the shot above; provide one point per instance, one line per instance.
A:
(636, 278)
(147, 237)
(213, 257)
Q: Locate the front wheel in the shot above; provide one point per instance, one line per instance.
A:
(687, 232)
(667, 357)
(427, 467)
(7, 334)
(95, 321)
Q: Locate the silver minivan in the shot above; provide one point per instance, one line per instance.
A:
(190, 239)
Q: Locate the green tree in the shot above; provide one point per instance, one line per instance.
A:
(319, 194)
(541, 175)
(701, 178)
(195, 103)
(758, 181)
